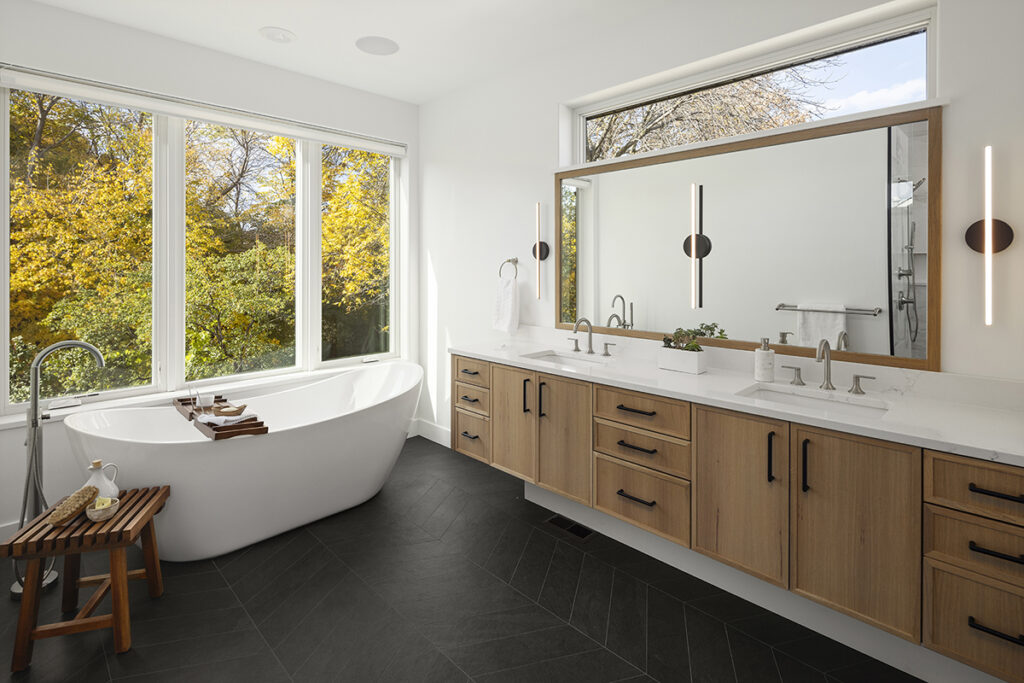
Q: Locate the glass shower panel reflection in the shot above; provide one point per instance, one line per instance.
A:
(908, 232)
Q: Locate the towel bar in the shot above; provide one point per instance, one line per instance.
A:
(852, 311)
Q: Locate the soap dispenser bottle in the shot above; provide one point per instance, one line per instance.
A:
(764, 362)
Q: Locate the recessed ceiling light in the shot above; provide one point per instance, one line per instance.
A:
(377, 45)
(277, 34)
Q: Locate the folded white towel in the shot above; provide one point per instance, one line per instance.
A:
(221, 420)
(814, 325)
(506, 305)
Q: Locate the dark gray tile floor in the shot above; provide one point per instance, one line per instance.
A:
(446, 575)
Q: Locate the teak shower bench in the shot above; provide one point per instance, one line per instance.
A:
(38, 540)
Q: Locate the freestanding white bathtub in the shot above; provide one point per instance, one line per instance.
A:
(331, 445)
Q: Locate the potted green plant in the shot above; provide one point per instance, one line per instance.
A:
(682, 351)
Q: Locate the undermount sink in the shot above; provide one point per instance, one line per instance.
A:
(577, 359)
(833, 403)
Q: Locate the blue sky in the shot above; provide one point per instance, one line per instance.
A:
(878, 76)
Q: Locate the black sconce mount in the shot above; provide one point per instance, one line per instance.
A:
(1002, 236)
(703, 246)
(544, 249)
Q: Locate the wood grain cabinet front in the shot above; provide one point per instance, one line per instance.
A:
(514, 421)
(473, 435)
(975, 543)
(976, 486)
(741, 486)
(855, 540)
(472, 398)
(650, 500)
(563, 437)
(975, 619)
(662, 415)
(472, 371)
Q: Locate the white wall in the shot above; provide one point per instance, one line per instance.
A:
(41, 37)
(489, 152)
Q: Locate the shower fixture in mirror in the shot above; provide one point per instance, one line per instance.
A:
(827, 232)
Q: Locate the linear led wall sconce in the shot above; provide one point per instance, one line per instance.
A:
(989, 235)
(703, 243)
(540, 250)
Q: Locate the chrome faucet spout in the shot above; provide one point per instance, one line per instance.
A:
(590, 333)
(824, 354)
(622, 316)
(37, 364)
(615, 316)
(843, 341)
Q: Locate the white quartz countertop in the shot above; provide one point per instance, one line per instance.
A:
(975, 431)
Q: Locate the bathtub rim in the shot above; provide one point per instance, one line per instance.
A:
(80, 415)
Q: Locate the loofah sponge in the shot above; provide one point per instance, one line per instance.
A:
(72, 506)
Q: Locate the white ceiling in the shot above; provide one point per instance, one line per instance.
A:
(444, 44)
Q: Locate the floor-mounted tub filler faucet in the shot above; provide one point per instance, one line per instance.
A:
(825, 355)
(590, 333)
(33, 502)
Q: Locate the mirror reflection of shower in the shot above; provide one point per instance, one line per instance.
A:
(908, 226)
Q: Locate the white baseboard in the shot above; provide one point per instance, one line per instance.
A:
(899, 653)
(431, 431)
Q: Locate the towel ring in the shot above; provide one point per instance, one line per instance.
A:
(514, 261)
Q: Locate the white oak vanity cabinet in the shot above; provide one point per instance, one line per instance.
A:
(974, 562)
(924, 545)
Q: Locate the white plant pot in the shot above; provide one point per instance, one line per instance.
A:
(693, 362)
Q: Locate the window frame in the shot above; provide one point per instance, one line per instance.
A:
(169, 235)
(796, 48)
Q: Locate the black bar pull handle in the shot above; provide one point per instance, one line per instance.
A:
(974, 488)
(648, 451)
(974, 547)
(540, 399)
(804, 486)
(471, 436)
(771, 443)
(973, 623)
(648, 413)
(467, 399)
(648, 503)
(525, 382)
(464, 371)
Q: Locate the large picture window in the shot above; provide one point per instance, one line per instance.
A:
(356, 253)
(81, 242)
(170, 236)
(239, 251)
(874, 76)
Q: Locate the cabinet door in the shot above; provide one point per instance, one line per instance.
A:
(856, 527)
(741, 492)
(514, 421)
(564, 427)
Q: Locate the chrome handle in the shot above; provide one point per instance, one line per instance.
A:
(606, 345)
(798, 379)
(855, 389)
(576, 343)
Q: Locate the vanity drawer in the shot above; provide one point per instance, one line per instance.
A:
(643, 410)
(658, 503)
(473, 435)
(472, 371)
(661, 453)
(977, 486)
(975, 543)
(475, 399)
(959, 605)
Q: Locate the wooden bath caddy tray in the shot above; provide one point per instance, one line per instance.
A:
(251, 425)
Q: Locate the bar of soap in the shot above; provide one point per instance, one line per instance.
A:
(102, 502)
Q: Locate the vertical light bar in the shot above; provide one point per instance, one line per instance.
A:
(536, 249)
(988, 235)
(693, 246)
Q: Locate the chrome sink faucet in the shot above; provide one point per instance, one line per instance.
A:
(590, 333)
(615, 316)
(843, 341)
(825, 354)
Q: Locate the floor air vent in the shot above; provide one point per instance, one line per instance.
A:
(566, 524)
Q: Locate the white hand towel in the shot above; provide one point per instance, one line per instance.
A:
(221, 420)
(814, 325)
(506, 305)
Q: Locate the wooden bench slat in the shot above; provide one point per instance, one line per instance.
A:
(97, 533)
(112, 532)
(78, 538)
(134, 528)
(65, 628)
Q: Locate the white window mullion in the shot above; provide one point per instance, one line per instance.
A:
(5, 250)
(169, 252)
(307, 254)
(398, 336)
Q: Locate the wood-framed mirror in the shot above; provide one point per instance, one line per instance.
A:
(801, 235)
